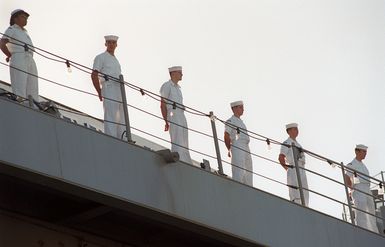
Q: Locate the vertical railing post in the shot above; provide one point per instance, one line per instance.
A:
(124, 102)
(347, 194)
(383, 187)
(296, 157)
(219, 158)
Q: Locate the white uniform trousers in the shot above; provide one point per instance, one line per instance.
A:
(365, 203)
(179, 135)
(241, 159)
(114, 123)
(294, 194)
(24, 84)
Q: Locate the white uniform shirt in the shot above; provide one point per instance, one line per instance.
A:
(15, 33)
(173, 93)
(287, 151)
(360, 167)
(231, 128)
(107, 64)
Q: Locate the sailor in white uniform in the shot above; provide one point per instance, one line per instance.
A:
(286, 157)
(17, 46)
(357, 183)
(108, 88)
(237, 143)
(172, 109)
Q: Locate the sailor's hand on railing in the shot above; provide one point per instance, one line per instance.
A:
(229, 154)
(7, 59)
(166, 126)
(100, 97)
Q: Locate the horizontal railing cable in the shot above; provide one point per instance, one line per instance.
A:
(260, 175)
(179, 125)
(51, 81)
(253, 154)
(321, 175)
(325, 196)
(343, 203)
(165, 140)
(248, 132)
(340, 183)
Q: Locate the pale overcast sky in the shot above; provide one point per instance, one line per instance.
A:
(320, 63)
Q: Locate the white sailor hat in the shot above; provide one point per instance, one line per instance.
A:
(236, 103)
(111, 37)
(16, 11)
(291, 125)
(361, 147)
(175, 68)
